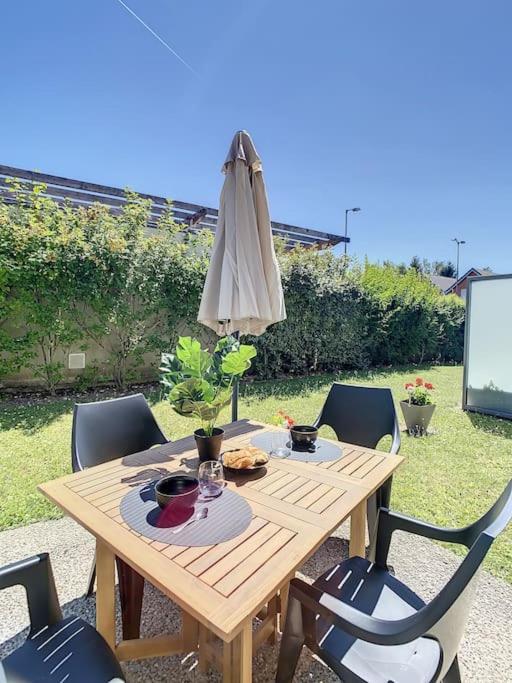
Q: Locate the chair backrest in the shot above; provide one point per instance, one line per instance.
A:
(453, 603)
(359, 415)
(106, 430)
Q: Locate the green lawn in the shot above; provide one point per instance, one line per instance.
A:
(449, 477)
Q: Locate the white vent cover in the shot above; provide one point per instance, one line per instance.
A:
(76, 361)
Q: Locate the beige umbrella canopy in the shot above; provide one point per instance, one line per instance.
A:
(242, 292)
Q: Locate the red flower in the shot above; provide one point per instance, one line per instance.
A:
(428, 385)
(419, 382)
(285, 419)
(409, 385)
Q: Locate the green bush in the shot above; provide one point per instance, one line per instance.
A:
(327, 324)
(86, 275)
(410, 320)
(74, 277)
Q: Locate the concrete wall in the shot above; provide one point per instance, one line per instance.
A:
(97, 361)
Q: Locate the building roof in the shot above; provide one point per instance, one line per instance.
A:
(195, 216)
(441, 282)
(472, 272)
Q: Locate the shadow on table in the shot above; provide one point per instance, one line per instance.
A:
(145, 476)
(186, 448)
(244, 477)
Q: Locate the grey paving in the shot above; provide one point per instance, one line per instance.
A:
(486, 653)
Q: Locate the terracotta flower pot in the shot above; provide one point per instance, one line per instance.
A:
(209, 447)
(417, 418)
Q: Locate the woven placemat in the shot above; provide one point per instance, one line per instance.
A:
(228, 515)
(324, 451)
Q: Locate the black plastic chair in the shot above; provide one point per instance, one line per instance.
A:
(104, 431)
(368, 626)
(363, 416)
(57, 649)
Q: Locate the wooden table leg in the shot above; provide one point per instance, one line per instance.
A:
(244, 642)
(358, 530)
(190, 632)
(105, 593)
(131, 593)
(227, 663)
(204, 637)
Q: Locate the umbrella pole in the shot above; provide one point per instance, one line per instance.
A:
(234, 403)
(234, 396)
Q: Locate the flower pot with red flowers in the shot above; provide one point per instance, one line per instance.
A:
(418, 408)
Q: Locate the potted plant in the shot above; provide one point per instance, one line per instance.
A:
(418, 408)
(199, 384)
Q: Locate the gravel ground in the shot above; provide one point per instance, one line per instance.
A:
(485, 656)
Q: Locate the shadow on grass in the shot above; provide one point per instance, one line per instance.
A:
(33, 412)
(497, 426)
(30, 417)
(288, 387)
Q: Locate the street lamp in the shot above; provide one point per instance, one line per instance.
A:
(459, 242)
(347, 211)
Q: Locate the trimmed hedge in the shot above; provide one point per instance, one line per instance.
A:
(70, 277)
(354, 318)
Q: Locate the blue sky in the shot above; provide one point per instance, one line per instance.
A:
(402, 108)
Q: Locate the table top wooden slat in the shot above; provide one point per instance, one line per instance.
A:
(295, 506)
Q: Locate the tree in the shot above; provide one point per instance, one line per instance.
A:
(445, 268)
(416, 264)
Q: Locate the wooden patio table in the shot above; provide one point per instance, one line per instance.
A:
(296, 506)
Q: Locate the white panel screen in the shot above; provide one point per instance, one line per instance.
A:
(488, 361)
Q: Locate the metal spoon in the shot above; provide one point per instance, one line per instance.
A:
(200, 514)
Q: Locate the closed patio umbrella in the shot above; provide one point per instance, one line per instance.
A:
(242, 292)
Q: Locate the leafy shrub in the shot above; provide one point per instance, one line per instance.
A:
(410, 320)
(85, 277)
(450, 314)
(327, 326)
(37, 248)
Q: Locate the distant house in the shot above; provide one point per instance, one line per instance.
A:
(460, 286)
(441, 282)
(450, 285)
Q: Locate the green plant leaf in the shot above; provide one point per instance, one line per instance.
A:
(237, 362)
(195, 361)
(226, 344)
(171, 370)
(185, 395)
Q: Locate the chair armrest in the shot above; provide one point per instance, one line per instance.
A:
(394, 632)
(353, 621)
(36, 576)
(389, 522)
(395, 446)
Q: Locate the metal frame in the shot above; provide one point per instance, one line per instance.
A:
(194, 216)
(467, 330)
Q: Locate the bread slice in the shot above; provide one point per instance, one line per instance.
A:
(244, 458)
